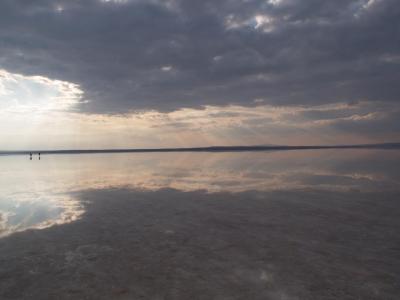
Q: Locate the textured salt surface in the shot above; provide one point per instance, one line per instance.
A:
(170, 244)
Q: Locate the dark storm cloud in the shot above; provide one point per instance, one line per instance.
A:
(165, 55)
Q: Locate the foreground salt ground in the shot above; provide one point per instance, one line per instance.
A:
(169, 244)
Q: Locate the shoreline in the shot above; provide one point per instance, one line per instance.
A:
(385, 146)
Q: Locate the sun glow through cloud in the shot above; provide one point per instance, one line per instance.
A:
(33, 109)
(206, 73)
(38, 113)
(19, 93)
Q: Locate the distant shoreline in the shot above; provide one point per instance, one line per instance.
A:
(386, 146)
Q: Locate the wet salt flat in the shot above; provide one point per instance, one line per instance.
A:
(316, 224)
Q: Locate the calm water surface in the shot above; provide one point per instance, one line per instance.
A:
(285, 225)
(40, 193)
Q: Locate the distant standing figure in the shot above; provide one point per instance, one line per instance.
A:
(30, 155)
(39, 155)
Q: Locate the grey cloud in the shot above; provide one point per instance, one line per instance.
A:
(327, 114)
(317, 52)
(384, 123)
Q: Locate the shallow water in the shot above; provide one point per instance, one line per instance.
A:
(251, 225)
(39, 193)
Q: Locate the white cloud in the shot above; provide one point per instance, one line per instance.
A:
(19, 93)
(166, 68)
(275, 2)
(260, 22)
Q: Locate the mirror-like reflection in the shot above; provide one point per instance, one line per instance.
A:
(37, 193)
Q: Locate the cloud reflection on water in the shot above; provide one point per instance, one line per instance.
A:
(39, 194)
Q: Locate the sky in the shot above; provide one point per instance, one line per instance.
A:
(179, 73)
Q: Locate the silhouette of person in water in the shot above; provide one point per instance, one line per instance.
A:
(39, 155)
(30, 155)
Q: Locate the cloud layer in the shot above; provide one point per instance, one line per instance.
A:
(167, 55)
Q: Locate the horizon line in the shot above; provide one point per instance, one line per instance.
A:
(391, 145)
